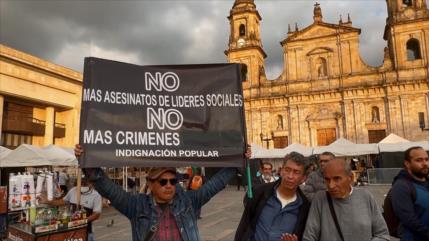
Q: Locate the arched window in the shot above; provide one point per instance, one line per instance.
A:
(375, 114)
(242, 30)
(243, 72)
(408, 3)
(413, 49)
(321, 67)
(279, 122)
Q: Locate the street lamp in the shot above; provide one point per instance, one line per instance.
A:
(265, 138)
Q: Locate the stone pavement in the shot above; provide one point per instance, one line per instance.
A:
(219, 221)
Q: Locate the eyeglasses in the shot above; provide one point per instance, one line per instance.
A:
(163, 181)
(323, 160)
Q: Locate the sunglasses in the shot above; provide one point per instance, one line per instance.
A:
(164, 181)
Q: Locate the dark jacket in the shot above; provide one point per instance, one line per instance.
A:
(254, 208)
(407, 209)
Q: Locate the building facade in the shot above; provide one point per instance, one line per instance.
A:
(325, 90)
(39, 101)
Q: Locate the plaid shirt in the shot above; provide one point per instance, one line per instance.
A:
(167, 226)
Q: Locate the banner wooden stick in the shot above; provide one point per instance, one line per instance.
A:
(78, 185)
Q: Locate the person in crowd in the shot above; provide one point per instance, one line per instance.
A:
(278, 209)
(355, 214)
(353, 164)
(266, 174)
(182, 176)
(131, 184)
(410, 196)
(90, 200)
(197, 180)
(312, 167)
(63, 178)
(258, 172)
(315, 181)
(168, 212)
(239, 180)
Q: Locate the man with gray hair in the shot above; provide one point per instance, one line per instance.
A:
(344, 213)
(315, 181)
(278, 209)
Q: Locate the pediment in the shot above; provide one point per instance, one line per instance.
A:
(320, 50)
(323, 114)
(318, 30)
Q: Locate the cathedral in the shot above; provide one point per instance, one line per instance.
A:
(325, 90)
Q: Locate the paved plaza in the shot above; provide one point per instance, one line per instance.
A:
(219, 221)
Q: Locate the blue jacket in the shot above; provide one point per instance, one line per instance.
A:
(413, 215)
(140, 209)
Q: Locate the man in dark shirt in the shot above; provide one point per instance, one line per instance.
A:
(412, 210)
(278, 208)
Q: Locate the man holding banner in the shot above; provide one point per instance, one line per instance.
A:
(168, 212)
(161, 116)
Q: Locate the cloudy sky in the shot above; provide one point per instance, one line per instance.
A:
(169, 32)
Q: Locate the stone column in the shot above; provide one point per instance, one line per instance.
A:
(49, 126)
(387, 114)
(402, 101)
(309, 133)
(289, 124)
(294, 130)
(427, 106)
(1, 113)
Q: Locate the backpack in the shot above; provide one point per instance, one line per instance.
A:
(389, 216)
(197, 182)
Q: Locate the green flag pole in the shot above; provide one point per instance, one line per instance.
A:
(249, 180)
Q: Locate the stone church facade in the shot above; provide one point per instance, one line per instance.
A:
(325, 90)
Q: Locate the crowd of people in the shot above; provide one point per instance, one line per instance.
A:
(322, 204)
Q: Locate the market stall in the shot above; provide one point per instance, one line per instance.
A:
(50, 223)
(27, 219)
(24, 233)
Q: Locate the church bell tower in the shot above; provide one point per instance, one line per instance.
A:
(245, 44)
(406, 31)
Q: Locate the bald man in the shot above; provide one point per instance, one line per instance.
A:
(358, 215)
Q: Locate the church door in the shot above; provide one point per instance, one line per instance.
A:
(375, 136)
(280, 141)
(326, 136)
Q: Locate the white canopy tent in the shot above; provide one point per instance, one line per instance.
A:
(260, 152)
(23, 156)
(344, 147)
(296, 147)
(393, 138)
(334, 147)
(402, 146)
(4, 151)
(395, 143)
(60, 156)
(31, 156)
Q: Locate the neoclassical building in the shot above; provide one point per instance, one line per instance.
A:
(325, 90)
(39, 101)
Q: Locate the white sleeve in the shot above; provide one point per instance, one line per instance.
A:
(97, 205)
(68, 197)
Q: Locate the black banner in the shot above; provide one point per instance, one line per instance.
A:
(179, 115)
